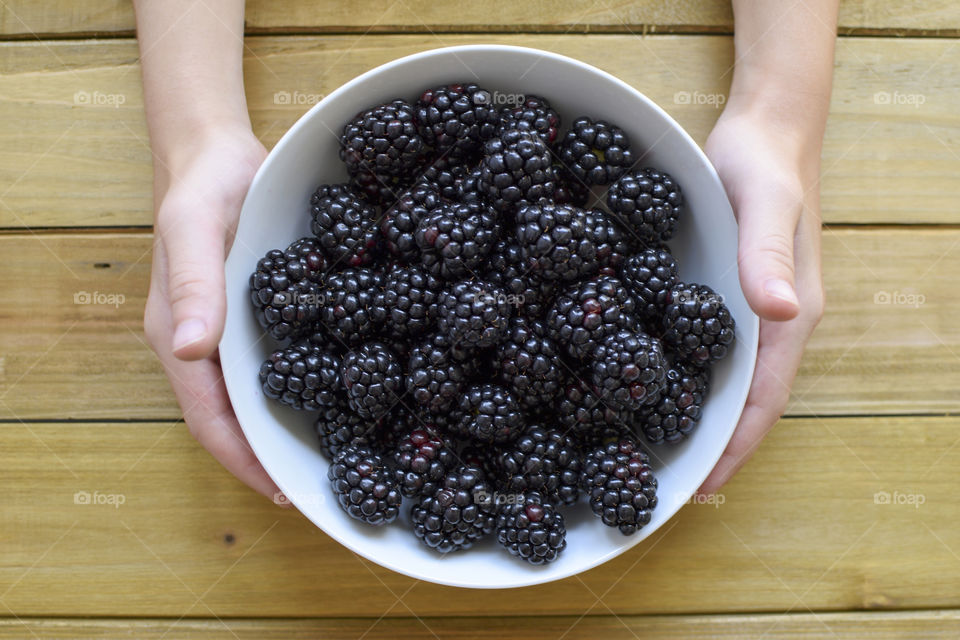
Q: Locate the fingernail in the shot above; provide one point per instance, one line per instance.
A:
(781, 290)
(188, 332)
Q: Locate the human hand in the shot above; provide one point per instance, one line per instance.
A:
(772, 180)
(199, 190)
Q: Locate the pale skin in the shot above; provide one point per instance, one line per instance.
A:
(766, 147)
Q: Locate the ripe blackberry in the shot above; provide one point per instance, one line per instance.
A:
(696, 323)
(484, 457)
(407, 301)
(629, 369)
(398, 225)
(474, 314)
(304, 375)
(468, 191)
(534, 115)
(529, 364)
(422, 459)
(673, 418)
(588, 312)
(489, 414)
(345, 225)
(595, 152)
(455, 238)
(383, 140)
(587, 416)
(285, 289)
(435, 377)
(338, 426)
(505, 267)
(648, 203)
(457, 514)
(445, 175)
(348, 312)
(373, 378)
(532, 529)
(563, 242)
(456, 119)
(544, 460)
(364, 486)
(516, 170)
(620, 485)
(649, 275)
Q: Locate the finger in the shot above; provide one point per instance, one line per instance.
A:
(194, 242)
(768, 218)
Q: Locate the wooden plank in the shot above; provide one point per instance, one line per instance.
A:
(798, 528)
(60, 17)
(59, 359)
(841, 626)
(71, 115)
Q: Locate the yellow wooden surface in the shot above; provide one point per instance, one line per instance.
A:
(800, 546)
(47, 17)
(74, 144)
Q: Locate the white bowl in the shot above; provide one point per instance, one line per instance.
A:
(275, 213)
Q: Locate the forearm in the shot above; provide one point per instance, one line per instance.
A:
(784, 66)
(192, 59)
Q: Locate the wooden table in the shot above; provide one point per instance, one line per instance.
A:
(800, 547)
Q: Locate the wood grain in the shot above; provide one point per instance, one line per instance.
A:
(798, 528)
(932, 625)
(60, 17)
(59, 359)
(72, 155)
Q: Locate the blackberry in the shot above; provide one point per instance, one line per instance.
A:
(304, 375)
(422, 460)
(673, 418)
(373, 379)
(455, 238)
(445, 175)
(584, 413)
(649, 275)
(398, 226)
(285, 289)
(348, 312)
(364, 486)
(383, 140)
(648, 203)
(563, 242)
(435, 377)
(407, 301)
(588, 312)
(696, 323)
(345, 225)
(595, 152)
(620, 485)
(338, 426)
(570, 190)
(629, 369)
(534, 115)
(468, 191)
(516, 170)
(456, 119)
(505, 267)
(544, 460)
(457, 514)
(474, 314)
(532, 529)
(529, 364)
(490, 414)
(483, 457)
(383, 190)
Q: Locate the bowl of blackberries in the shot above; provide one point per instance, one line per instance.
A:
(485, 326)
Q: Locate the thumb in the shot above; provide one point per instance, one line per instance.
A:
(194, 241)
(768, 223)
